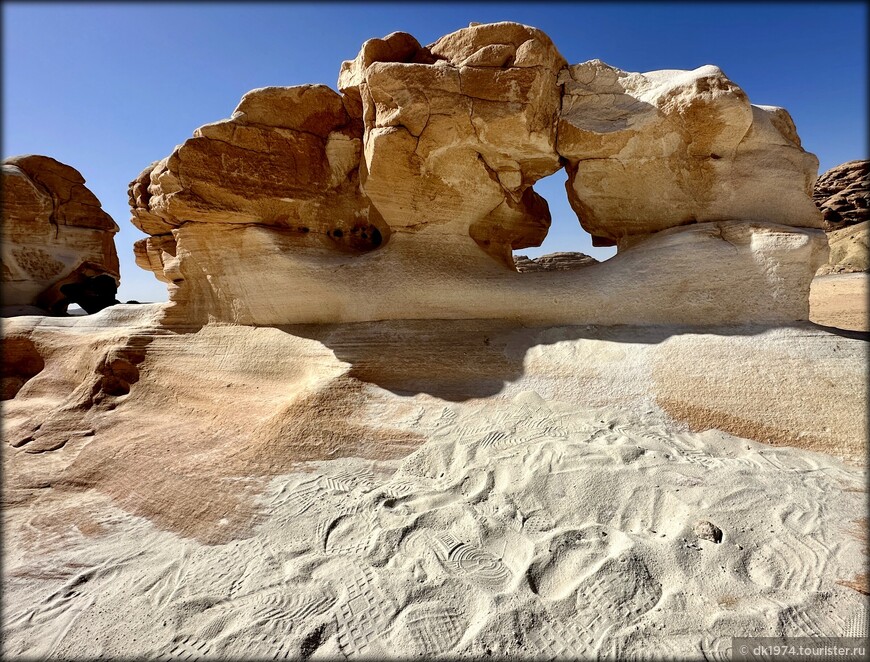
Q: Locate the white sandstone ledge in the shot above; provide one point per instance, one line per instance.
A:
(729, 272)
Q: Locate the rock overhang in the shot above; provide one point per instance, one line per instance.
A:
(425, 161)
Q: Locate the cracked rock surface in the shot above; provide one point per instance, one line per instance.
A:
(56, 238)
(404, 194)
(661, 149)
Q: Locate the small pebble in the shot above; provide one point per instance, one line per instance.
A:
(708, 531)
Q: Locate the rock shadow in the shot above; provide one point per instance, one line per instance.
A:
(458, 360)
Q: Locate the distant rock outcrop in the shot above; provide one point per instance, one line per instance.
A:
(849, 250)
(565, 261)
(404, 195)
(843, 194)
(58, 243)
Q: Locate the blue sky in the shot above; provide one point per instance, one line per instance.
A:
(110, 87)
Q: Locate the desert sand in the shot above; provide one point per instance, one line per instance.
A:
(454, 488)
(841, 300)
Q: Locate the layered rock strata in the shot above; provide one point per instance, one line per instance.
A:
(553, 262)
(58, 243)
(405, 195)
(843, 196)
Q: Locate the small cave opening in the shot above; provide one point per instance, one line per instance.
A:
(359, 235)
(565, 235)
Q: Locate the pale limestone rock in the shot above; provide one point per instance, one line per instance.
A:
(456, 133)
(405, 197)
(708, 273)
(661, 149)
(58, 244)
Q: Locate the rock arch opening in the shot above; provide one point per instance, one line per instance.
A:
(567, 245)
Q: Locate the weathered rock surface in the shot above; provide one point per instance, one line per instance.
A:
(456, 133)
(708, 273)
(58, 244)
(849, 250)
(287, 158)
(565, 261)
(843, 194)
(404, 196)
(662, 149)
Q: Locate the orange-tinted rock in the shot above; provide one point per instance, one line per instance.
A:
(56, 238)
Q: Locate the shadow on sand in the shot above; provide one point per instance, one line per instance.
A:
(459, 360)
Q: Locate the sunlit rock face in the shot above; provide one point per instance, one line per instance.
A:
(288, 159)
(843, 196)
(662, 149)
(404, 195)
(57, 242)
(456, 133)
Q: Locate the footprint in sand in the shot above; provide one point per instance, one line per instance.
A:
(567, 558)
(273, 617)
(352, 535)
(620, 592)
(188, 648)
(811, 620)
(557, 638)
(792, 564)
(364, 617)
(472, 563)
(429, 628)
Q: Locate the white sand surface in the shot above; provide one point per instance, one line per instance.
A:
(449, 503)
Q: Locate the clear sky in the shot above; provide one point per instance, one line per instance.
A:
(110, 87)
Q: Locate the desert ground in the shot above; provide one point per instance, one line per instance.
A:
(841, 300)
(421, 488)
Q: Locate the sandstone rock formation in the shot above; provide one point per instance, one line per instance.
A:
(553, 262)
(404, 196)
(58, 243)
(456, 133)
(668, 148)
(843, 194)
(849, 250)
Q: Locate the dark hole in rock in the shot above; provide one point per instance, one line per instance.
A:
(376, 237)
(361, 237)
(715, 156)
(303, 230)
(92, 294)
(111, 385)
